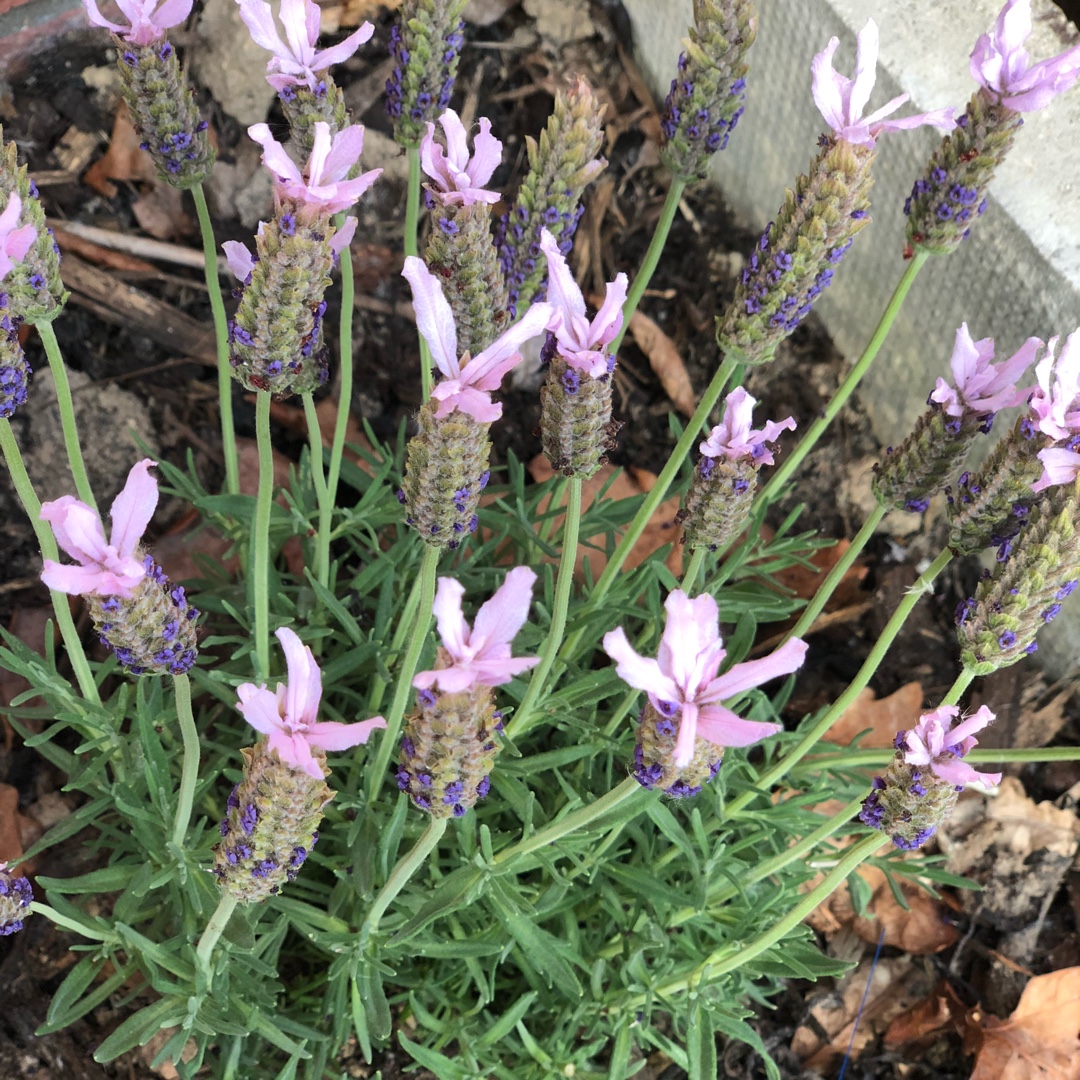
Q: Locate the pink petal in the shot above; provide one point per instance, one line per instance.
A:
(274, 156)
(826, 86)
(304, 685)
(345, 152)
(259, 707)
(80, 580)
(690, 632)
(488, 672)
(487, 155)
(295, 752)
(10, 217)
(499, 620)
(338, 54)
(688, 729)
(486, 370)
(95, 16)
(788, 658)
(562, 289)
(723, 728)
(239, 259)
(259, 20)
(457, 147)
(433, 159)
(955, 771)
(942, 119)
(331, 736)
(453, 629)
(77, 528)
(474, 403)
(978, 720)
(1060, 466)
(133, 508)
(343, 237)
(321, 144)
(637, 671)
(434, 317)
(609, 319)
(171, 13)
(451, 680)
(865, 70)
(296, 18)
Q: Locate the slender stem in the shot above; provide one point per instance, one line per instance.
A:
(412, 247)
(652, 257)
(403, 688)
(564, 583)
(779, 478)
(956, 691)
(878, 758)
(214, 929)
(405, 623)
(690, 574)
(67, 413)
(261, 539)
(818, 730)
(406, 867)
(341, 423)
(667, 475)
(573, 821)
(20, 479)
(221, 333)
(322, 493)
(189, 774)
(724, 960)
(836, 574)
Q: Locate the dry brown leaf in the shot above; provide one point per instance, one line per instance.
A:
(804, 581)
(28, 624)
(665, 361)
(1042, 1037)
(884, 717)
(940, 1010)
(1039, 727)
(661, 529)
(350, 13)
(160, 212)
(10, 838)
(123, 160)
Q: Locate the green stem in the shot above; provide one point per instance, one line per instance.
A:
(652, 257)
(564, 583)
(322, 493)
(857, 759)
(772, 489)
(667, 476)
(727, 959)
(836, 574)
(67, 414)
(341, 423)
(690, 574)
(388, 742)
(406, 867)
(412, 247)
(214, 929)
(189, 774)
(575, 820)
(818, 730)
(405, 623)
(221, 333)
(956, 691)
(20, 480)
(261, 538)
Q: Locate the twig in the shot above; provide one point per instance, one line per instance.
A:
(141, 246)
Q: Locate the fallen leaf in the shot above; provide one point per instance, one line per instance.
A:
(160, 212)
(123, 160)
(665, 361)
(804, 581)
(352, 13)
(942, 1009)
(1039, 727)
(10, 839)
(1042, 1037)
(660, 530)
(885, 717)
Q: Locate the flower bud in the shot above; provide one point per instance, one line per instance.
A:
(576, 428)
(304, 108)
(16, 895)
(654, 756)
(14, 370)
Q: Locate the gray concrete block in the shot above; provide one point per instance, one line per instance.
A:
(1017, 275)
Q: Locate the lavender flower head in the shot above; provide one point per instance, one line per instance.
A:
(734, 437)
(983, 387)
(148, 19)
(16, 895)
(297, 61)
(15, 242)
(935, 743)
(458, 179)
(1000, 63)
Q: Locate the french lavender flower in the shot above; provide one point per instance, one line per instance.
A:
(461, 251)
(425, 46)
(561, 165)
(797, 256)
(275, 339)
(683, 728)
(915, 470)
(32, 287)
(990, 506)
(706, 97)
(1013, 602)
(951, 195)
(148, 624)
(15, 241)
(722, 489)
(449, 745)
(157, 94)
(16, 895)
(298, 70)
(576, 429)
(446, 462)
(919, 789)
(272, 818)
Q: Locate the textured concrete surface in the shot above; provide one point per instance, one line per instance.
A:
(1019, 272)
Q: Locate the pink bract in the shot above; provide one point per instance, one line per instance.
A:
(467, 382)
(460, 179)
(481, 654)
(149, 19)
(1055, 403)
(734, 437)
(105, 568)
(684, 674)
(15, 241)
(288, 716)
(581, 343)
(934, 742)
(981, 386)
(842, 100)
(999, 62)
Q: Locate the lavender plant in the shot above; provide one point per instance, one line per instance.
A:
(565, 876)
